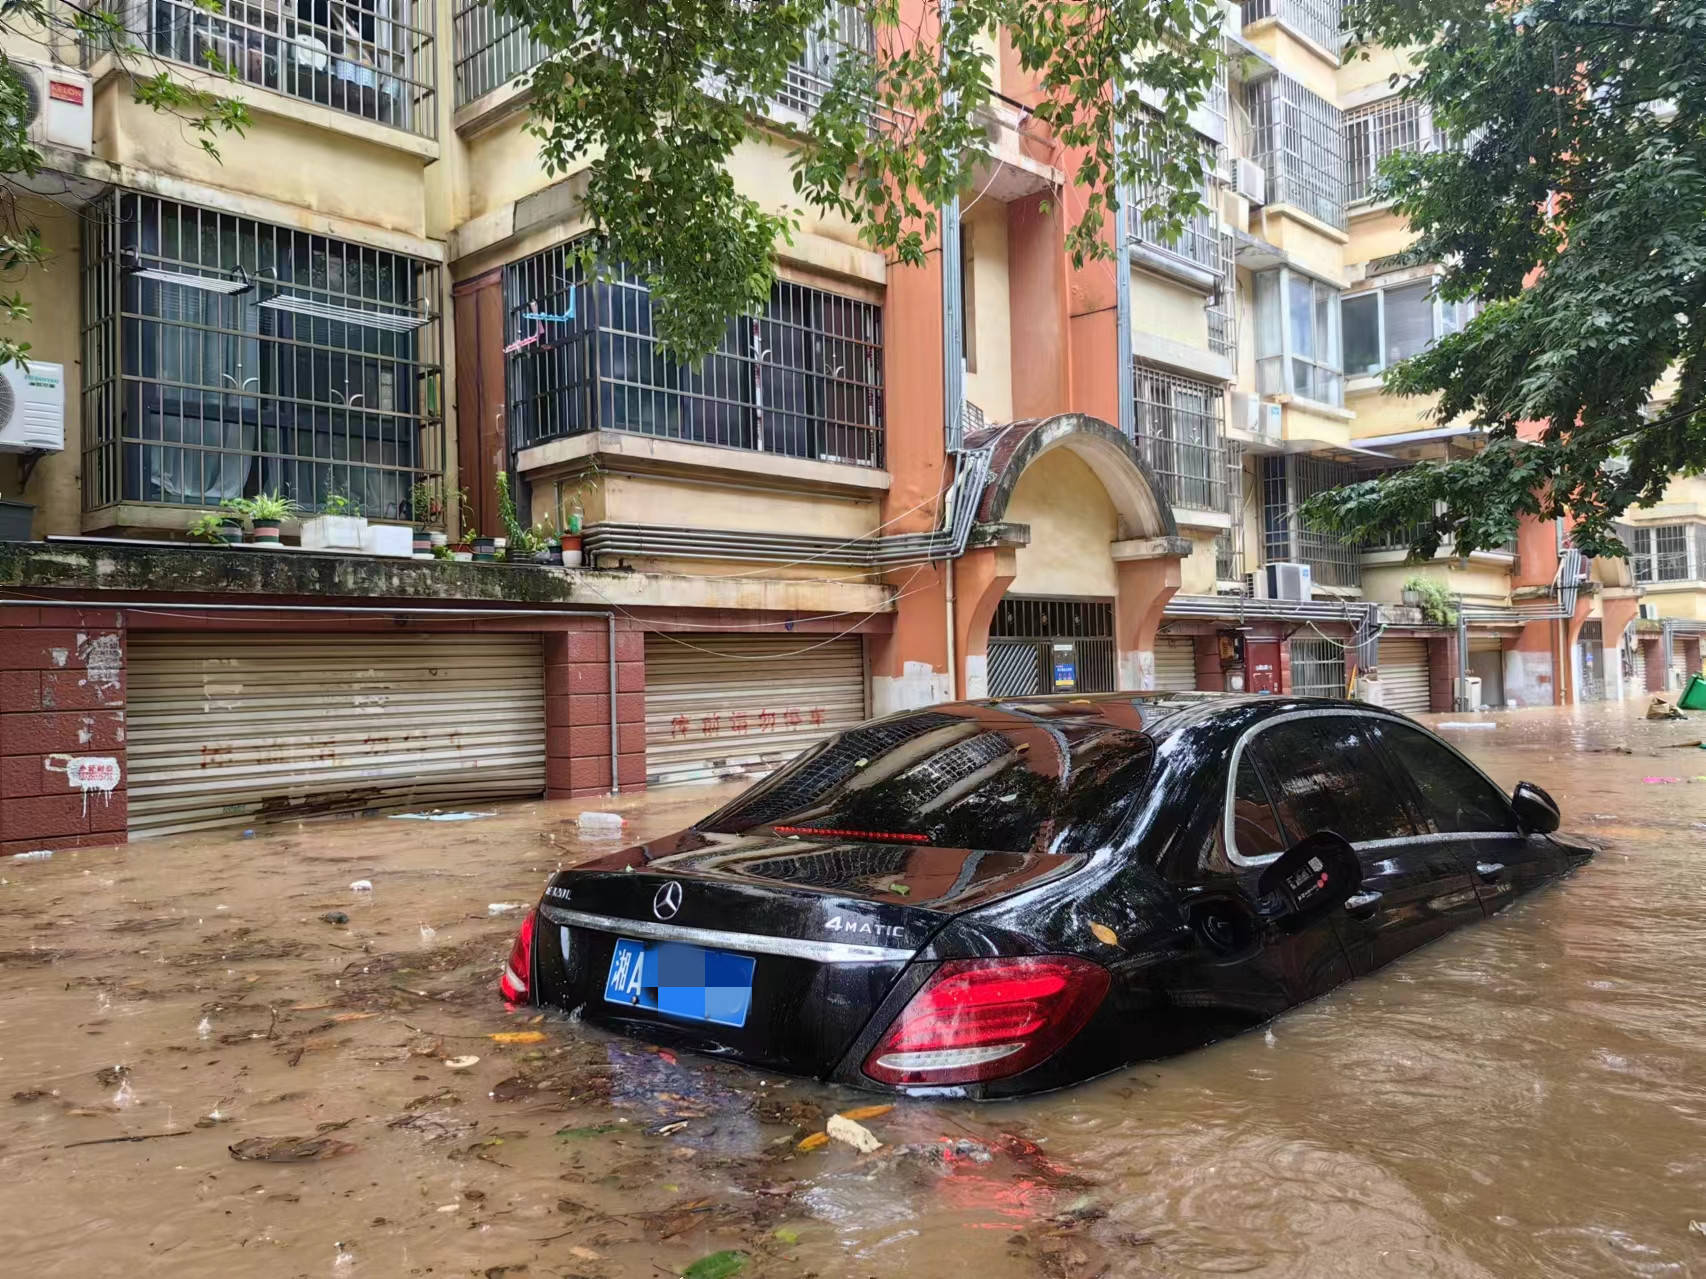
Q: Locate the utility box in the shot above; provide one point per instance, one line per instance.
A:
(1469, 692)
(1369, 690)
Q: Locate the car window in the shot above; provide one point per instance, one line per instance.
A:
(1324, 772)
(1255, 825)
(1454, 794)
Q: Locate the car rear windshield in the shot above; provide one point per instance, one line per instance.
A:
(1000, 783)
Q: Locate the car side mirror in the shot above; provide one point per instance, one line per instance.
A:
(1309, 879)
(1536, 811)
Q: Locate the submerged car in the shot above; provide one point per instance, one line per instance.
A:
(999, 897)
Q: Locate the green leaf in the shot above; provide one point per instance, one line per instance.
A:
(588, 1130)
(786, 1234)
(718, 1265)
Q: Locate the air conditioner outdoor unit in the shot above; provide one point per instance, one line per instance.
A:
(1270, 420)
(1649, 612)
(1288, 581)
(60, 108)
(32, 408)
(1251, 182)
(1245, 409)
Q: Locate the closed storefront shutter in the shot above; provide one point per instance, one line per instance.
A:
(232, 730)
(1175, 664)
(740, 705)
(1639, 673)
(1404, 675)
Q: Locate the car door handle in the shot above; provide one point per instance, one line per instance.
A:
(1362, 905)
(1490, 871)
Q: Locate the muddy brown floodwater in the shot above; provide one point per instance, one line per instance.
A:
(1526, 1097)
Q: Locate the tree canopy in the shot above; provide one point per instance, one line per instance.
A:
(655, 96)
(1573, 205)
(204, 115)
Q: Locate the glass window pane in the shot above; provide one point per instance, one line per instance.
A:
(1454, 795)
(1409, 320)
(1361, 317)
(1255, 827)
(1326, 776)
(1300, 299)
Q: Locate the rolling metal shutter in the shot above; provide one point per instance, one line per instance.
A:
(234, 730)
(1640, 666)
(721, 706)
(1487, 659)
(1175, 664)
(1404, 675)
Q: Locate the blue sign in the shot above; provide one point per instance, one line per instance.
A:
(1066, 675)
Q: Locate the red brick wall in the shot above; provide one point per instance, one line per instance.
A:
(577, 710)
(62, 690)
(1442, 673)
(1210, 674)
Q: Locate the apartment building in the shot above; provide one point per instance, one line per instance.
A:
(992, 474)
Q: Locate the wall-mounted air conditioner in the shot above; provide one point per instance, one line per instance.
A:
(60, 106)
(32, 408)
(1270, 420)
(1256, 586)
(1250, 181)
(1288, 581)
(1649, 612)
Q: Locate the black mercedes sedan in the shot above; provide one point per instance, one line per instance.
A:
(999, 897)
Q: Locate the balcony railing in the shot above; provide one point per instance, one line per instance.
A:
(1181, 428)
(1316, 20)
(1378, 130)
(374, 59)
(802, 379)
(1297, 137)
(1198, 242)
(491, 49)
(1286, 483)
(845, 28)
(224, 357)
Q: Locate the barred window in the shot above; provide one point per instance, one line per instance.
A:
(843, 28)
(803, 378)
(1378, 130)
(1198, 242)
(1659, 553)
(371, 58)
(1316, 20)
(1286, 483)
(1180, 433)
(225, 357)
(490, 48)
(1298, 138)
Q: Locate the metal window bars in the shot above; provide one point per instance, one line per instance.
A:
(1297, 137)
(843, 28)
(1022, 635)
(490, 49)
(374, 59)
(1286, 483)
(1229, 544)
(802, 379)
(1221, 309)
(1181, 429)
(1316, 20)
(1378, 130)
(1317, 668)
(320, 374)
(1041, 618)
(1198, 242)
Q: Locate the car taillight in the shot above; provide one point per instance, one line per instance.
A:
(979, 1019)
(519, 970)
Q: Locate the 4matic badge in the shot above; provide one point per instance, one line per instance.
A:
(864, 927)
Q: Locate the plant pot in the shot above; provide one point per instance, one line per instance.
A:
(461, 556)
(231, 530)
(1411, 598)
(438, 537)
(15, 520)
(548, 555)
(486, 548)
(571, 543)
(333, 533)
(267, 533)
(421, 540)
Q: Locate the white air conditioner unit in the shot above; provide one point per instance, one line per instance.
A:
(1244, 411)
(1250, 181)
(1288, 581)
(1270, 420)
(1649, 612)
(1226, 166)
(32, 408)
(1256, 586)
(61, 105)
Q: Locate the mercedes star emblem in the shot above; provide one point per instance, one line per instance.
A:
(667, 901)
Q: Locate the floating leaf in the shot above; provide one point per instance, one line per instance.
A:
(816, 1141)
(290, 1150)
(719, 1265)
(518, 1037)
(1105, 935)
(787, 1234)
(898, 889)
(587, 1130)
(866, 1112)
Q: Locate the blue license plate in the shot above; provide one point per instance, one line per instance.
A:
(681, 981)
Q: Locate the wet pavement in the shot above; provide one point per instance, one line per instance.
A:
(1525, 1097)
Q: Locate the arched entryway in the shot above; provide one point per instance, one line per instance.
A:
(1075, 558)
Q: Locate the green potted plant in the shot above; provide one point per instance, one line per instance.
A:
(1432, 598)
(219, 529)
(338, 527)
(267, 513)
(426, 509)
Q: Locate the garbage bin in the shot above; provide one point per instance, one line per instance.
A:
(1694, 696)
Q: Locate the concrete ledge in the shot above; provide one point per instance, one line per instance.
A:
(1151, 548)
(999, 533)
(649, 452)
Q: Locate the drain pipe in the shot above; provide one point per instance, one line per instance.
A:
(371, 610)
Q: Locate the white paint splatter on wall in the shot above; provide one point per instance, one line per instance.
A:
(99, 774)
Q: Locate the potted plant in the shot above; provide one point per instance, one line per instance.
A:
(338, 527)
(220, 529)
(571, 540)
(426, 508)
(15, 520)
(549, 544)
(267, 513)
(1411, 596)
